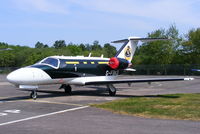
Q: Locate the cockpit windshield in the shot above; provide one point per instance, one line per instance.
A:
(51, 62)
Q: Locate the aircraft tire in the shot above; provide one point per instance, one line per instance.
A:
(112, 90)
(33, 95)
(68, 89)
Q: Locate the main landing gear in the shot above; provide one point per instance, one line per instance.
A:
(112, 90)
(67, 88)
(33, 94)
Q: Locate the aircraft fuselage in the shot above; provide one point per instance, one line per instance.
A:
(67, 70)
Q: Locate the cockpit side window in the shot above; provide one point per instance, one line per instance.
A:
(51, 62)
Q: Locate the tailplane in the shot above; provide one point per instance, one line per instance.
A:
(128, 49)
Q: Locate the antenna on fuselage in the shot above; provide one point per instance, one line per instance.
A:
(89, 54)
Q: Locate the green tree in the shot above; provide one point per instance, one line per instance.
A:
(82, 46)
(3, 45)
(179, 50)
(59, 44)
(6, 59)
(159, 52)
(191, 47)
(40, 45)
(88, 47)
(96, 45)
(74, 49)
(109, 50)
(46, 46)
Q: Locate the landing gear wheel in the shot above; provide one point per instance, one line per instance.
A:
(112, 90)
(68, 89)
(33, 95)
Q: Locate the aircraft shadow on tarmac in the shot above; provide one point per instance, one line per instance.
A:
(99, 92)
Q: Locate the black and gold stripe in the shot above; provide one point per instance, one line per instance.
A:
(86, 62)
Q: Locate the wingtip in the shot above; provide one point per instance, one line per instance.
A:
(188, 78)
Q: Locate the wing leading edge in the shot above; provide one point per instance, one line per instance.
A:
(135, 81)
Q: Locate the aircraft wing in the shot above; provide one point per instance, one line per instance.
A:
(198, 70)
(118, 81)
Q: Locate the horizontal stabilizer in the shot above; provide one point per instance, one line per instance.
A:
(140, 39)
(130, 70)
(198, 70)
(120, 41)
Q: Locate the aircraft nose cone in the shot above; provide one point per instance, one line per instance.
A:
(20, 75)
(28, 76)
(10, 77)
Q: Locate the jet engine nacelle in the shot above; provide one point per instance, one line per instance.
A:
(118, 63)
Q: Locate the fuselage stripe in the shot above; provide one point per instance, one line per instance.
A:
(72, 62)
(92, 62)
(102, 62)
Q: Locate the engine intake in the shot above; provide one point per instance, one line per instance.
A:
(118, 63)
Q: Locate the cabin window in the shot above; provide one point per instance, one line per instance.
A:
(51, 62)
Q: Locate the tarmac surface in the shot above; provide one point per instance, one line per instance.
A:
(58, 113)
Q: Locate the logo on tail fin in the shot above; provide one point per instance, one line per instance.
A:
(128, 53)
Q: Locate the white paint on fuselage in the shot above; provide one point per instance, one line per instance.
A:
(28, 76)
(31, 76)
(79, 58)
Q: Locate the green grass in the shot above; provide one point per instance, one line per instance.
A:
(174, 106)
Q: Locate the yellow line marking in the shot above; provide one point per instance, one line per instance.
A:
(84, 62)
(103, 62)
(39, 101)
(13, 99)
(92, 62)
(31, 100)
(72, 62)
(49, 102)
(4, 83)
(10, 97)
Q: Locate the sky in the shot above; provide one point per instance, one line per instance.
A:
(24, 22)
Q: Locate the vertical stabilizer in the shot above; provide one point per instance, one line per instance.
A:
(128, 49)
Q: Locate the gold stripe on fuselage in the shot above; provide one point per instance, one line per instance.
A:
(72, 62)
(103, 62)
(85, 62)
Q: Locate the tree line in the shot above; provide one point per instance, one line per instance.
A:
(18, 56)
(180, 49)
